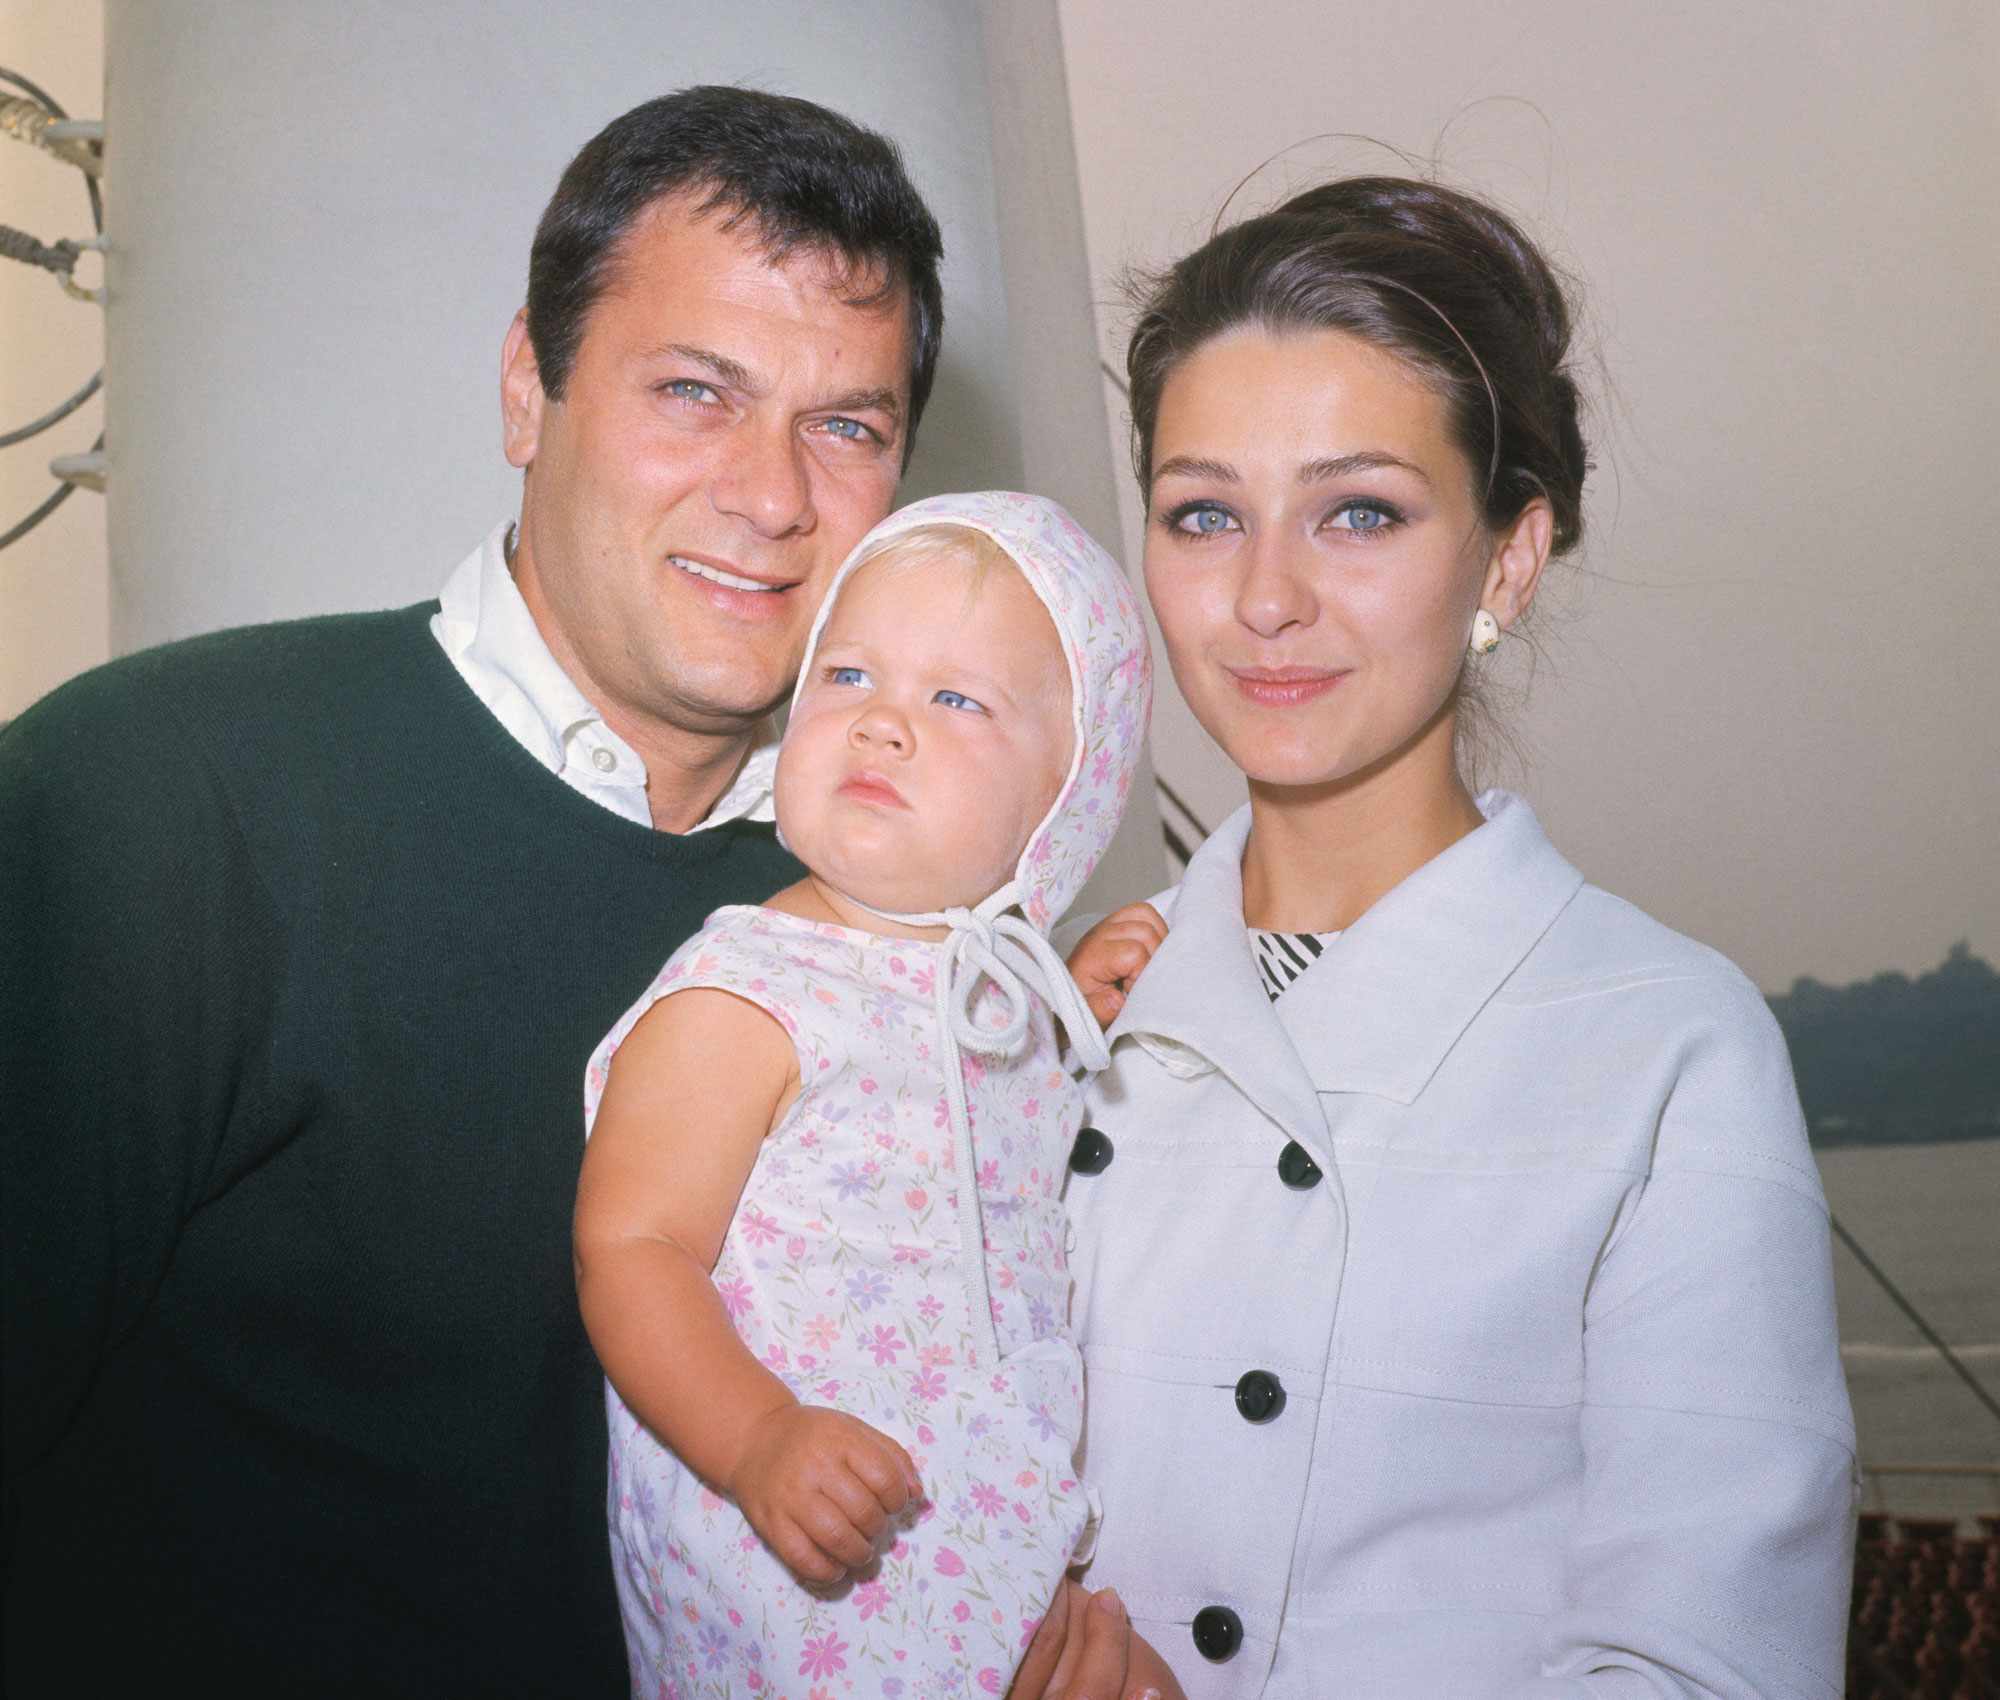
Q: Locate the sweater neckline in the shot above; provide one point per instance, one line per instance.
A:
(468, 724)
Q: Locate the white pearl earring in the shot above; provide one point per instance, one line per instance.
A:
(1485, 634)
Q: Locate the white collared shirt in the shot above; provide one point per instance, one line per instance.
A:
(485, 627)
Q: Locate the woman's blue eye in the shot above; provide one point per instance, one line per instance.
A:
(1201, 519)
(847, 676)
(958, 699)
(1364, 516)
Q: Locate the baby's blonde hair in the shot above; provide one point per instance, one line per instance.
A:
(924, 545)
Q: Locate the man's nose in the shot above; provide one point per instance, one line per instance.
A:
(1275, 591)
(766, 481)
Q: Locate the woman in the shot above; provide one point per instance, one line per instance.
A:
(1458, 1313)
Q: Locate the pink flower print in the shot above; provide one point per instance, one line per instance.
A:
(870, 1599)
(916, 1198)
(929, 1307)
(759, 1228)
(1032, 1108)
(829, 1390)
(989, 1679)
(925, 1436)
(795, 1247)
(927, 1385)
(1022, 1512)
(884, 1344)
(923, 980)
(775, 1356)
(975, 1072)
(737, 1297)
(1028, 1627)
(935, 1357)
(988, 1498)
(867, 1084)
(989, 1174)
(912, 1254)
(822, 1657)
(898, 966)
(1028, 1478)
(821, 1333)
(961, 1612)
(1100, 769)
(832, 1000)
(948, 1563)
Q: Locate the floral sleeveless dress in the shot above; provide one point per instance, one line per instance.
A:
(843, 1273)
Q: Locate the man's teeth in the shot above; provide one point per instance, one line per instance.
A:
(715, 575)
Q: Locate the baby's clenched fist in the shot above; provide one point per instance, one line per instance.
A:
(820, 1487)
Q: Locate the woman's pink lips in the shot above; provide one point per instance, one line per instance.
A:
(872, 788)
(1284, 687)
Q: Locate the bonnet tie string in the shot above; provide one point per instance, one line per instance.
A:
(1020, 963)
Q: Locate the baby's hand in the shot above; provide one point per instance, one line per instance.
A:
(819, 1486)
(1108, 958)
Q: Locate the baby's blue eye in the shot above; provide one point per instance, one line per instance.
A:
(958, 699)
(847, 676)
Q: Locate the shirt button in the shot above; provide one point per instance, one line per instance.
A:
(1260, 1396)
(1091, 1154)
(1218, 1632)
(603, 760)
(1297, 1169)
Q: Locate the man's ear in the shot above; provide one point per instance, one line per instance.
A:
(521, 396)
(1514, 568)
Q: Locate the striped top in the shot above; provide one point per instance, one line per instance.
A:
(1283, 957)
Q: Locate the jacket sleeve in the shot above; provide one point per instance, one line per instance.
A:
(134, 1002)
(1713, 1543)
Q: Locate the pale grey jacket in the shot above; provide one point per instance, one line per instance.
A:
(1562, 1408)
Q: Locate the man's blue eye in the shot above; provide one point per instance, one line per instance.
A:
(848, 430)
(689, 389)
(958, 699)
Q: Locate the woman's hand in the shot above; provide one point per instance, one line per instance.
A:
(1109, 958)
(1085, 1650)
(820, 1486)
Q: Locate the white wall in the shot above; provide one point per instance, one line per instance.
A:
(1769, 708)
(53, 583)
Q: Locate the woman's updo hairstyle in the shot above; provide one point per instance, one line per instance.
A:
(1441, 280)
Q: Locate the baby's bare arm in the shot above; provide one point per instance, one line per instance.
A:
(694, 1089)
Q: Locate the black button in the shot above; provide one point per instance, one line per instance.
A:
(1091, 1154)
(1296, 1167)
(1218, 1632)
(1260, 1396)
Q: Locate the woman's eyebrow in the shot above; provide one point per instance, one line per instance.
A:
(1362, 460)
(1195, 466)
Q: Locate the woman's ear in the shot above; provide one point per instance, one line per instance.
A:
(1514, 569)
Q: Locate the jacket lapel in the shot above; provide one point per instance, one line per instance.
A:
(1201, 993)
(1384, 1006)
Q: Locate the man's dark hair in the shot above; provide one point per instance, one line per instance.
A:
(805, 177)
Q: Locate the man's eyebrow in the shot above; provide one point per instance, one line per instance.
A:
(732, 372)
(866, 401)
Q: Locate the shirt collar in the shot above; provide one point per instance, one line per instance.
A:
(486, 628)
(1392, 995)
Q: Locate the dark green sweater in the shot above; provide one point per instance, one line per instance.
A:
(301, 960)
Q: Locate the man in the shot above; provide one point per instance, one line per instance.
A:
(309, 930)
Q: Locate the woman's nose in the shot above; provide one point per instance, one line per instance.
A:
(881, 725)
(1275, 591)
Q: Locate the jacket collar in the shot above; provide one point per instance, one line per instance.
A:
(1382, 1008)
(1394, 992)
(1200, 994)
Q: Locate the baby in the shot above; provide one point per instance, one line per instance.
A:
(819, 1234)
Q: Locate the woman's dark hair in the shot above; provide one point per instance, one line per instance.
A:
(807, 178)
(1435, 277)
